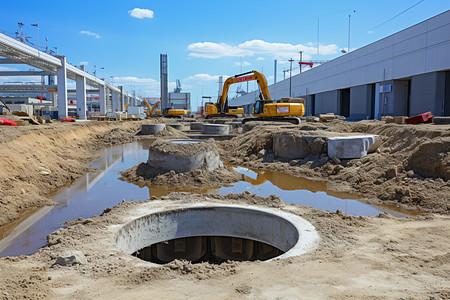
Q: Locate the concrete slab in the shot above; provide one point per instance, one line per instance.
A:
(441, 120)
(352, 146)
(294, 146)
(299, 145)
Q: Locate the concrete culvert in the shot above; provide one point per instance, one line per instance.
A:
(215, 129)
(147, 129)
(216, 234)
(183, 155)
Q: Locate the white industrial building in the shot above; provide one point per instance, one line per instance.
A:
(404, 74)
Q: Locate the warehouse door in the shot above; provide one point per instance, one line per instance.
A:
(344, 105)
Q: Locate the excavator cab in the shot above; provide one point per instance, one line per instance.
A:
(258, 106)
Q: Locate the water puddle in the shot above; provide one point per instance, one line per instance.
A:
(93, 192)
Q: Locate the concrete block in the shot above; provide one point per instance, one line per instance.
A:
(147, 129)
(215, 129)
(352, 146)
(183, 156)
(298, 146)
(441, 120)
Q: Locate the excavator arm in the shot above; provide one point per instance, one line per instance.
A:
(154, 107)
(148, 107)
(255, 75)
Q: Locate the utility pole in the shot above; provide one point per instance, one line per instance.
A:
(274, 71)
(290, 77)
(37, 27)
(284, 74)
(301, 57)
(348, 46)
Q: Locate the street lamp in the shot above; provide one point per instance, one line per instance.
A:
(37, 27)
(349, 16)
(290, 77)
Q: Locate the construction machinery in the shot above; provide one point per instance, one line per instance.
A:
(221, 107)
(155, 110)
(266, 109)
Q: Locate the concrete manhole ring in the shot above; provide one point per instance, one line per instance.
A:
(289, 233)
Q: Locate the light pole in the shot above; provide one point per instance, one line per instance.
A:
(348, 46)
(37, 27)
(301, 58)
(290, 77)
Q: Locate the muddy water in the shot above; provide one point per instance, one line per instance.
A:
(92, 193)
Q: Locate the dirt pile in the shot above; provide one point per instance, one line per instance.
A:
(37, 160)
(410, 169)
(170, 132)
(144, 175)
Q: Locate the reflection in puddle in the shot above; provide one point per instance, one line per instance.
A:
(93, 192)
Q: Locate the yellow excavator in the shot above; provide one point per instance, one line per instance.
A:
(266, 109)
(155, 110)
(221, 107)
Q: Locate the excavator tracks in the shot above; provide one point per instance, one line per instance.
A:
(292, 120)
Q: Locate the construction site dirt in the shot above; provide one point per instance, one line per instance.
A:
(364, 257)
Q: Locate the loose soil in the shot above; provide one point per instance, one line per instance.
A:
(379, 257)
(382, 177)
(143, 175)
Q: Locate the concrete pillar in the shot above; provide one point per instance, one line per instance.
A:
(62, 88)
(102, 99)
(115, 101)
(81, 97)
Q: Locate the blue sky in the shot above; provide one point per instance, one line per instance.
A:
(205, 39)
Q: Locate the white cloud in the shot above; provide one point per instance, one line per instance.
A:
(134, 80)
(260, 58)
(87, 32)
(243, 64)
(257, 47)
(370, 32)
(8, 69)
(214, 50)
(205, 77)
(141, 13)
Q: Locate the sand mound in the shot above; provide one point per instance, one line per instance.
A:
(431, 159)
(143, 175)
(381, 176)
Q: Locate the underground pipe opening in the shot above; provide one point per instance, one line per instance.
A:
(216, 234)
(211, 249)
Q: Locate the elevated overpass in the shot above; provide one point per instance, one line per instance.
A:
(16, 52)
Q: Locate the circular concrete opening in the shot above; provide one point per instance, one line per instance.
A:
(218, 129)
(216, 234)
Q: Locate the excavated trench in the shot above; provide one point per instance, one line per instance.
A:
(95, 191)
